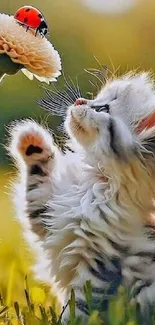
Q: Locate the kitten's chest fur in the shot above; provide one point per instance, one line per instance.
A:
(86, 219)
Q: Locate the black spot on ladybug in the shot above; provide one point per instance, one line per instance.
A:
(25, 20)
(40, 16)
(17, 15)
(27, 10)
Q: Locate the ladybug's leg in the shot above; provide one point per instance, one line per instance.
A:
(27, 28)
(36, 32)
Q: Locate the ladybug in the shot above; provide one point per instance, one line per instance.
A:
(31, 18)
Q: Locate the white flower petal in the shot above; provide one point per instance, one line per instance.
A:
(1, 78)
(28, 74)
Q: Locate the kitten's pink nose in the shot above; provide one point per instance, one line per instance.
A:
(80, 101)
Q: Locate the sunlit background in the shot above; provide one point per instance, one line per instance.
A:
(117, 33)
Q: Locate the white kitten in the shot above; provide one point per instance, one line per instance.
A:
(90, 208)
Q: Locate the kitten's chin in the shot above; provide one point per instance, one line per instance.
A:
(80, 125)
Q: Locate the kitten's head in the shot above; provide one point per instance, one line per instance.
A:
(118, 122)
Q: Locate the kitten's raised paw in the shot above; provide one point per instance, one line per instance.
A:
(32, 147)
(32, 143)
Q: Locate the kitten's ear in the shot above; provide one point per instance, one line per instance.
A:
(146, 123)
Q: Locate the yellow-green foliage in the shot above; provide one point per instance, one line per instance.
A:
(15, 258)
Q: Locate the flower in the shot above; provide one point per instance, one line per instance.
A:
(21, 50)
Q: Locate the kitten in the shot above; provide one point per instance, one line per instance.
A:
(89, 208)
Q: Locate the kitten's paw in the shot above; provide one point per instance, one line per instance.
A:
(32, 146)
(31, 142)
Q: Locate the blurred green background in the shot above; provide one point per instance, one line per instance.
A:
(80, 30)
(124, 39)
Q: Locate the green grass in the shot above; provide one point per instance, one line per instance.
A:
(24, 301)
(36, 312)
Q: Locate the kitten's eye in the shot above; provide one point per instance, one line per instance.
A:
(102, 108)
(106, 108)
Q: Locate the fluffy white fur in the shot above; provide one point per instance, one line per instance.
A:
(89, 208)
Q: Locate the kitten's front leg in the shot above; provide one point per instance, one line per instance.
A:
(33, 149)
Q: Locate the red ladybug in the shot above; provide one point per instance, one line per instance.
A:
(31, 18)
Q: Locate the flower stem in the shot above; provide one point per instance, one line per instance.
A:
(7, 66)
